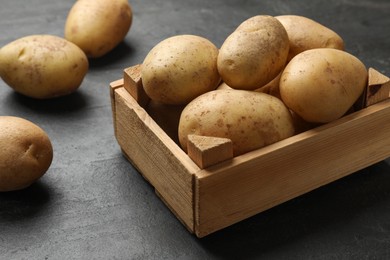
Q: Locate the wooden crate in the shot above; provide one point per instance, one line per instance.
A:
(209, 199)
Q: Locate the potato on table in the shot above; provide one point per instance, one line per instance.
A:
(98, 26)
(43, 66)
(26, 153)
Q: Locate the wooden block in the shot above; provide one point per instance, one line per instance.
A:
(378, 88)
(114, 85)
(133, 84)
(206, 150)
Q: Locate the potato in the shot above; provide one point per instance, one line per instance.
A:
(320, 85)
(43, 66)
(26, 153)
(254, 54)
(98, 26)
(250, 119)
(180, 68)
(305, 34)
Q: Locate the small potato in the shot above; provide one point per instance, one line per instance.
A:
(250, 119)
(98, 26)
(321, 85)
(180, 68)
(26, 153)
(305, 34)
(254, 54)
(43, 66)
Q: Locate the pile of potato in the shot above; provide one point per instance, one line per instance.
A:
(49, 66)
(272, 77)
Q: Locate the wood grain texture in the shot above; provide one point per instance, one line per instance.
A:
(256, 181)
(220, 195)
(378, 87)
(206, 150)
(133, 84)
(156, 156)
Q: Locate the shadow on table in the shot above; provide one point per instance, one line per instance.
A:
(121, 52)
(55, 106)
(25, 203)
(331, 206)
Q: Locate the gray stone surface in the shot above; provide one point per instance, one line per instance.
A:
(92, 204)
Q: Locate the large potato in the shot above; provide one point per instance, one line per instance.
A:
(305, 34)
(25, 155)
(254, 54)
(43, 66)
(180, 68)
(250, 119)
(320, 85)
(98, 26)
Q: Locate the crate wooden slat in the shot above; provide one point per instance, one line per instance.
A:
(207, 200)
(156, 156)
(232, 191)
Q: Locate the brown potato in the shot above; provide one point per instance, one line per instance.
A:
(25, 155)
(305, 34)
(250, 119)
(180, 68)
(254, 54)
(43, 66)
(321, 85)
(98, 26)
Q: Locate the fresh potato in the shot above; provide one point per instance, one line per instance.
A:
(26, 153)
(98, 26)
(180, 68)
(305, 34)
(43, 66)
(254, 54)
(250, 119)
(320, 85)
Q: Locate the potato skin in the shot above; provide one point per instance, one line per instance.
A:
(180, 68)
(43, 66)
(98, 26)
(26, 153)
(250, 119)
(320, 85)
(254, 54)
(305, 34)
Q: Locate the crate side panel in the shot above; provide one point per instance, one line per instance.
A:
(149, 153)
(250, 184)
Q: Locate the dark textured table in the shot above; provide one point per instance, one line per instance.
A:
(92, 204)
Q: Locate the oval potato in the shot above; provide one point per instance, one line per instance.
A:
(320, 85)
(250, 119)
(98, 26)
(43, 66)
(180, 68)
(26, 153)
(305, 34)
(254, 54)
